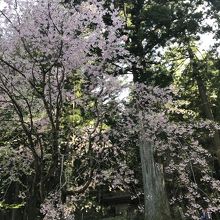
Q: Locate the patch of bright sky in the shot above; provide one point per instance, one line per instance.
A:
(2, 4)
(206, 40)
(125, 80)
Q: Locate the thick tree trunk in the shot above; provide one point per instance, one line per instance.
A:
(155, 198)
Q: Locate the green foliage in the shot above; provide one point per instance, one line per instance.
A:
(4, 205)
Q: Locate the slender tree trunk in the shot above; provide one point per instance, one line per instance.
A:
(155, 198)
(208, 113)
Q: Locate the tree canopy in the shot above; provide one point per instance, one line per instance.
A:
(68, 133)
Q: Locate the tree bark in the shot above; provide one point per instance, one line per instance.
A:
(155, 198)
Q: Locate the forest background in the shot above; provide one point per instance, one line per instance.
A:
(68, 132)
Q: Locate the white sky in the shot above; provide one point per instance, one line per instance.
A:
(206, 40)
(1, 4)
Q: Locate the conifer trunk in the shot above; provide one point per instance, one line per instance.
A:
(155, 198)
